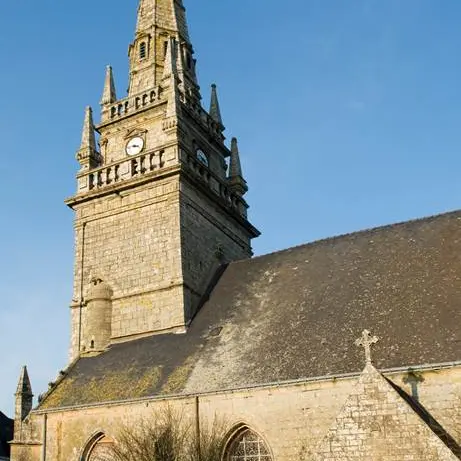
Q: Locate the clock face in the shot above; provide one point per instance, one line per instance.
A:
(135, 146)
(202, 157)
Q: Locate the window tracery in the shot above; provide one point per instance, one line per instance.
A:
(246, 445)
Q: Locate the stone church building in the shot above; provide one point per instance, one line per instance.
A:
(343, 349)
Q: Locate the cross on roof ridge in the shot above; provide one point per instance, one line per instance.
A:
(366, 341)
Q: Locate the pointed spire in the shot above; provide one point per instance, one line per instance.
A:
(87, 155)
(215, 111)
(109, 94)
(24, 387)
(88, 137)
(158, 20)
(24, 396)
(168, 14)
(237, 183)
(146, 16)
(235, 165)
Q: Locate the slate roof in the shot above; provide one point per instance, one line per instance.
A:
(6, 435)
(295, 314)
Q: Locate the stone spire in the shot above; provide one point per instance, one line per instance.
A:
(23, 396)
(215, 111)
(146, 16)
(88, 137)
(236, 181)
(158, 21)
(167, 14)
(109, 95)
(87, 155)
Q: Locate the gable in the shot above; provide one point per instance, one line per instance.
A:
(377, 423)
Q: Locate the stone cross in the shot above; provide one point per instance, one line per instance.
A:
(366, 341)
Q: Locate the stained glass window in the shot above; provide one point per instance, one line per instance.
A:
(247, 446)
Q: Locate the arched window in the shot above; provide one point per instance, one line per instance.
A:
(202, 157)
(142, 50)
(98, 449)
(246, 445)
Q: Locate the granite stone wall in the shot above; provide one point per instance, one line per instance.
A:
(319, 420)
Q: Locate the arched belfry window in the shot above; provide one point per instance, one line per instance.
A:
(142, 50)
(246, 445)
(98, 449)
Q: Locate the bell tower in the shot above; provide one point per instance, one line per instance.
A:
(160, 201)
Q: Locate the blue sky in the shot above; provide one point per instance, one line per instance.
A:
(347, 113)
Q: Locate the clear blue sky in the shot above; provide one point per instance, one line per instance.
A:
(347, 112)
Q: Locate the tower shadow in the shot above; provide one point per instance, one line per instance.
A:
(425, 415)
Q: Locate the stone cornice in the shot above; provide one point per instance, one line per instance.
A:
(273, 385)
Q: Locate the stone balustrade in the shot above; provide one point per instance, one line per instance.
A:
(129, 105)
(147, 162)
(216, 184)
(124, 170)
(202, 116)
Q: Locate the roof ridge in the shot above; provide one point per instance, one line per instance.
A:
(369, 230)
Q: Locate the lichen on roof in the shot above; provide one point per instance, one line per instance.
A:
(295, 314)
(113, 385)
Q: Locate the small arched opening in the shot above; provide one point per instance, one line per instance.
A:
(143, 50)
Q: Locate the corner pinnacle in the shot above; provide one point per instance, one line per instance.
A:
(215, 111)
(237, 183)
(109, 94)
(88, 136)
(235, 165)
(24, 387)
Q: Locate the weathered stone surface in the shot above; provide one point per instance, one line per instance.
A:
(377, 423)
(161, 231)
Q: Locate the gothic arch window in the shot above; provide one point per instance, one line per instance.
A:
(98, 448)
(246, 445)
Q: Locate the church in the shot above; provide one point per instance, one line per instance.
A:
(347, 348)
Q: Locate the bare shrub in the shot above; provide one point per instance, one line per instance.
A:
(208, 445)
(167, 437)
